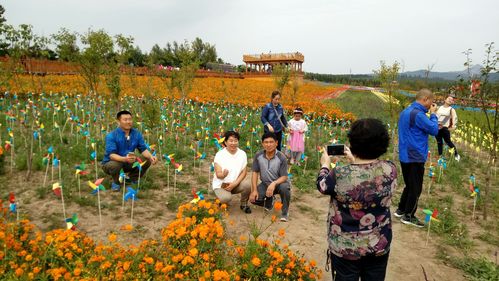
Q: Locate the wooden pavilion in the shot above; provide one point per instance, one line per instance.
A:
(263, 63)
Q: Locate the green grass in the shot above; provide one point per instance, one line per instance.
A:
(476, 269)
(363, 104)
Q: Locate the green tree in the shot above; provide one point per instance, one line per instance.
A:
(2, 18)
(96, 54)
(124, 47)
(388, 75)
(296, 82)
(487, 99)
(281, 75)
(183, 79)
(66, 45)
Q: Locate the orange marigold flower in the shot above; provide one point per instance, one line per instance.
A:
(158, 266)
(220, 275)
(193, 252)
(112, 237)
(278, 206)
(282, 232)
(274, 218)
(77, 272)
(256, 261)
(19, 271)
(148, 260)
(193, 242)
(28, 258)
(207, 274)
(127, 227)
(269, 271)
(126, 265)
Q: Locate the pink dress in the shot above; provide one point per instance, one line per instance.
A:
(297, 139)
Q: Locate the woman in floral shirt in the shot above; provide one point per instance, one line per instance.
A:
(359, 219)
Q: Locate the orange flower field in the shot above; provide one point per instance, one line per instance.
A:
(247, 92)
(194, 246)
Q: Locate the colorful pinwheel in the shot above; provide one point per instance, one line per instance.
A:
(97, 185)
(72, 222)
(56, 188)
(12, 201)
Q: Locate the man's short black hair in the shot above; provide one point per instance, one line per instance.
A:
(267, 135)
(368, 138)
(229, 134)
(123, 112)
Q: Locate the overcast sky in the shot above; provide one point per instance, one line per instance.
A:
(335, 36)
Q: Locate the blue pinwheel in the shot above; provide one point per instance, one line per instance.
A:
(131, 194)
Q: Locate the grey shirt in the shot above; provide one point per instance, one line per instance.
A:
(270, 170)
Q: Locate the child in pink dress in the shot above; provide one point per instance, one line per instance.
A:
(297, 128)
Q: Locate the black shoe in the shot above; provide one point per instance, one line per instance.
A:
(269, 203)
(406, 219)
(398, 213)
(246, 209)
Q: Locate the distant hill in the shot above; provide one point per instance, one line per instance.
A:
(450, 75)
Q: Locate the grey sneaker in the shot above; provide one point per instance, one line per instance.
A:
(406, 219)
(398, 213)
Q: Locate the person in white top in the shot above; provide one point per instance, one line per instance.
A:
(230, 171)
(447, 122)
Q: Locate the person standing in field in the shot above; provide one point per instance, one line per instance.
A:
(297, 129)
(359, 229)
(447, 122)
(414, 129)
(273, 118)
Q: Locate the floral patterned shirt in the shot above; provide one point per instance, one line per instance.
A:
(359, 219)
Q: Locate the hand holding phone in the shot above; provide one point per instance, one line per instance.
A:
(336, 149)
(130, 157)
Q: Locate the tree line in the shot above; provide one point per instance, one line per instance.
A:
(70, 46)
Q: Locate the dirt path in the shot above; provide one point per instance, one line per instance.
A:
(305, 232)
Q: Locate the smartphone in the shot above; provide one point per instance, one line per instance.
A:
(336, 149)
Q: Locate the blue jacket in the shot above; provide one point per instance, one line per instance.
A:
(117, 143)
(269, 116)
(414, 128)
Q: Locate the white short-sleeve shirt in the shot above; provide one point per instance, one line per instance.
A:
(234, 163)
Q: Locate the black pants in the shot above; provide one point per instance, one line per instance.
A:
(413, 177)
(279, 140)
(368, 268)
(113, 168)
(444, 134)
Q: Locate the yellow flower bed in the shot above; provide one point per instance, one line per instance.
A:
(253, 92)
(194, 246)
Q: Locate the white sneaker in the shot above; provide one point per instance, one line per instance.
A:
(457, 157)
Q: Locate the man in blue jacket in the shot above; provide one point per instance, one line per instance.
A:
(120, 151)
(414, 129)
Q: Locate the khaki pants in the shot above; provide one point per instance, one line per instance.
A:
(225, 196)
(113, 168)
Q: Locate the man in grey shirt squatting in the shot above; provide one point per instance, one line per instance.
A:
(270, 165)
